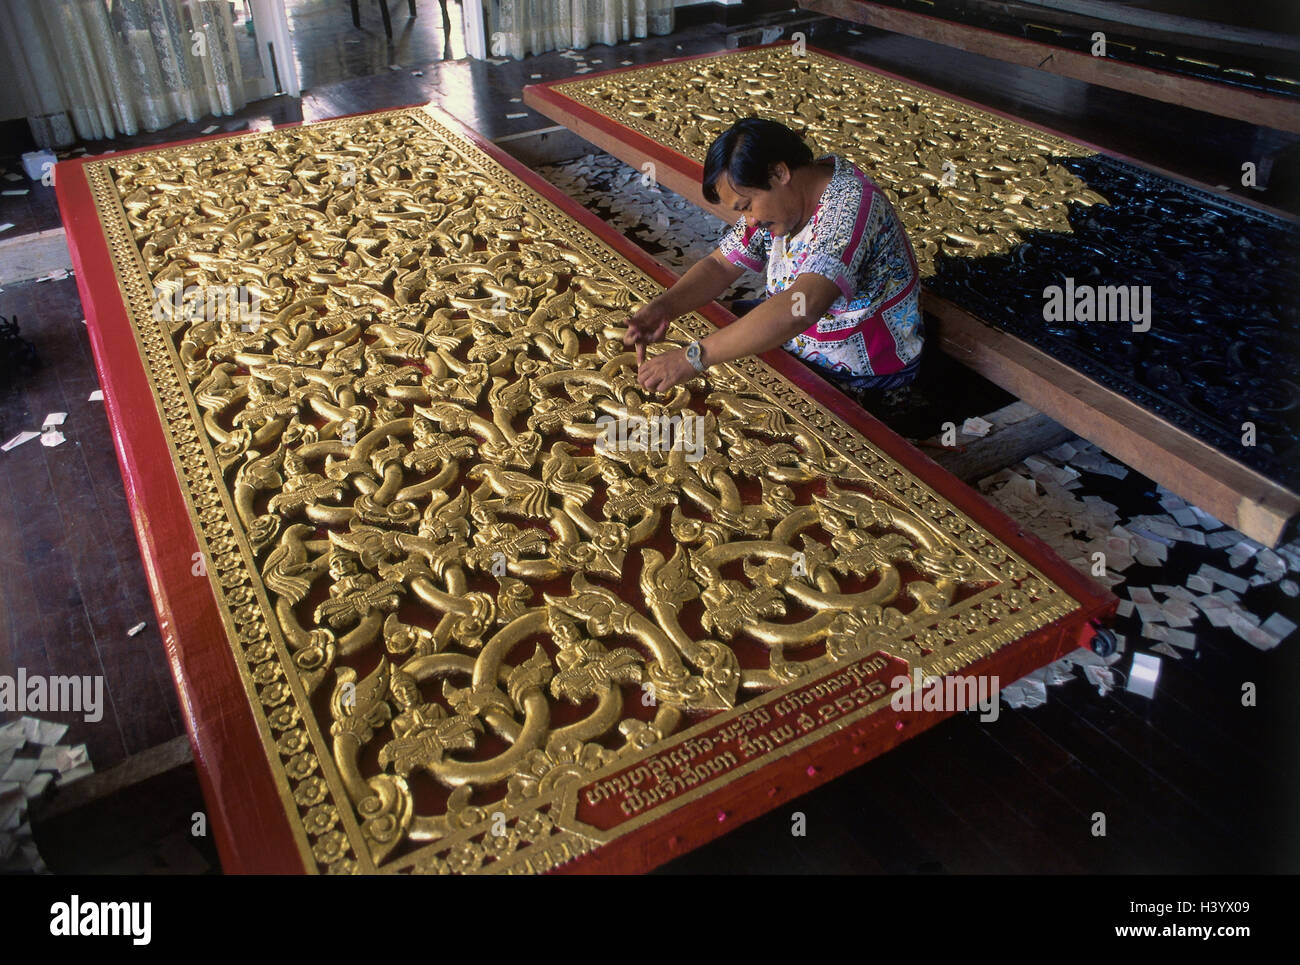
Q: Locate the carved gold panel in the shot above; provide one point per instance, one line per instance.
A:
(476, 634)
(965, 181)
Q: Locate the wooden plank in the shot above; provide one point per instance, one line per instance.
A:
(1254, 107)
(29, 256)
(1151, 26)
(1018, 431)
(133, 770)
(1223, 487)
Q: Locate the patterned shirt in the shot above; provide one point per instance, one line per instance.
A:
(856, 240)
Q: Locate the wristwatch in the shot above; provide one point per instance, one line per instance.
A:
(693, 356)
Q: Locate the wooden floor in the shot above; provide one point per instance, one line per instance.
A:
(1190, 781)
(71, 580)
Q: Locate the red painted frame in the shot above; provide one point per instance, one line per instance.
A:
(248, 823)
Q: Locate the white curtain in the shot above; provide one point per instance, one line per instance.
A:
(517, 28)
(93, 69)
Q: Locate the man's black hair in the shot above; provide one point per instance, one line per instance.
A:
(748, 150)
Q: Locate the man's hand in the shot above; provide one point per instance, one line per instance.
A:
(645, 326)
(665, 371)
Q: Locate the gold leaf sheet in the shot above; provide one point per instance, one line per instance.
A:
(965, 181)
(452, 611)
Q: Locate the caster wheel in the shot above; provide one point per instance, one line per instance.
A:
(1104, 642)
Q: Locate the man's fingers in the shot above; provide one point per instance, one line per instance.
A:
(648, 377)
(640, 334)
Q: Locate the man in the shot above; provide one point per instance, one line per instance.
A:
(843, 291)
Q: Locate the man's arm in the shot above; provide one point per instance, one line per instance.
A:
(706, 280)
(774, 322)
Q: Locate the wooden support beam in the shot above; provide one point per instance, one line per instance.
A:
(135, 769)
(1223, 487)
(1253, 107)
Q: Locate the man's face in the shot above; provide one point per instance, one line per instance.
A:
(776, 209)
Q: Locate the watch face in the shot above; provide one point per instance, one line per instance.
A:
(693, 354)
